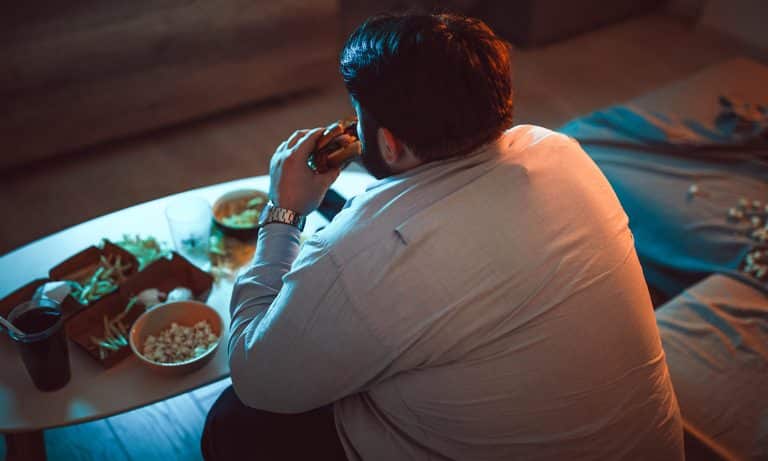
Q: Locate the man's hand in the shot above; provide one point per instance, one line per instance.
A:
(292, 184)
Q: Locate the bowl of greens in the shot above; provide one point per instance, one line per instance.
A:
(237, 213)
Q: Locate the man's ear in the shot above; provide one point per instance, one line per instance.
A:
(391, 149)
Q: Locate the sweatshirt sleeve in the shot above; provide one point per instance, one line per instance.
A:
(296, 340)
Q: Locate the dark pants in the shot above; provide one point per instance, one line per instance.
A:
(234, 431)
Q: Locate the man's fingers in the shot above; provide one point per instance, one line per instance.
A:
(333, 127)
(295, 137)
(307, 143)
(330, 132)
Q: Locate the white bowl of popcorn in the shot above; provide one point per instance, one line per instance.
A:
(176, 337)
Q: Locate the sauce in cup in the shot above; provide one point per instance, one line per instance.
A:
(43, 347)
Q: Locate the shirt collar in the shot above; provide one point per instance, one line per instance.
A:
(483, 153)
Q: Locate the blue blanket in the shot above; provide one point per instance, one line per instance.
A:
(696, 191)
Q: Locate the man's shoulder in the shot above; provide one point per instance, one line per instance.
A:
(529, 136)
(372, 222)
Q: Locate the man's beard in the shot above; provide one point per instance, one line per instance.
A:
(371, 156)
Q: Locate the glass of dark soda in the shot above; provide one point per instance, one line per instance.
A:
(43, 347)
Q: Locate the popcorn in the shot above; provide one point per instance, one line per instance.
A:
(735, 213)
(179, 343)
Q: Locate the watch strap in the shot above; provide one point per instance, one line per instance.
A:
(275, 214)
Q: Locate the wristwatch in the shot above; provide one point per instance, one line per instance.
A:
(273, 213)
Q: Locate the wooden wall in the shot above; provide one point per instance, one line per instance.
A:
(78, 72)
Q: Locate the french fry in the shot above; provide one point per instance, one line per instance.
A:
(115, 332)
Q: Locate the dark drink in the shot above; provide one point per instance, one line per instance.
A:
(43, 347)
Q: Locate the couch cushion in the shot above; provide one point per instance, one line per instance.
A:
(715, 337)
(84, 72)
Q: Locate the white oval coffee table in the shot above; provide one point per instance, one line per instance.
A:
(93, 392)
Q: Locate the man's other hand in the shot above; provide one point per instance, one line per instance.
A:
(292, 184)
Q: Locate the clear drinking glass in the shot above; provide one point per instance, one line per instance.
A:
(190, 219)
(43, 347)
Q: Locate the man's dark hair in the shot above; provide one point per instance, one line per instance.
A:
(441, 83)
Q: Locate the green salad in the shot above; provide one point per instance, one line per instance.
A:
(146, 250)
(247, 218)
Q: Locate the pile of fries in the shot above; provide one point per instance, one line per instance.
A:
(110, 272)
(115, 332)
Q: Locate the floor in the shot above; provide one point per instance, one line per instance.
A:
(555, 83)
(168, 430)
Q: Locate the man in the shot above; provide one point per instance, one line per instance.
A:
(482, 300)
